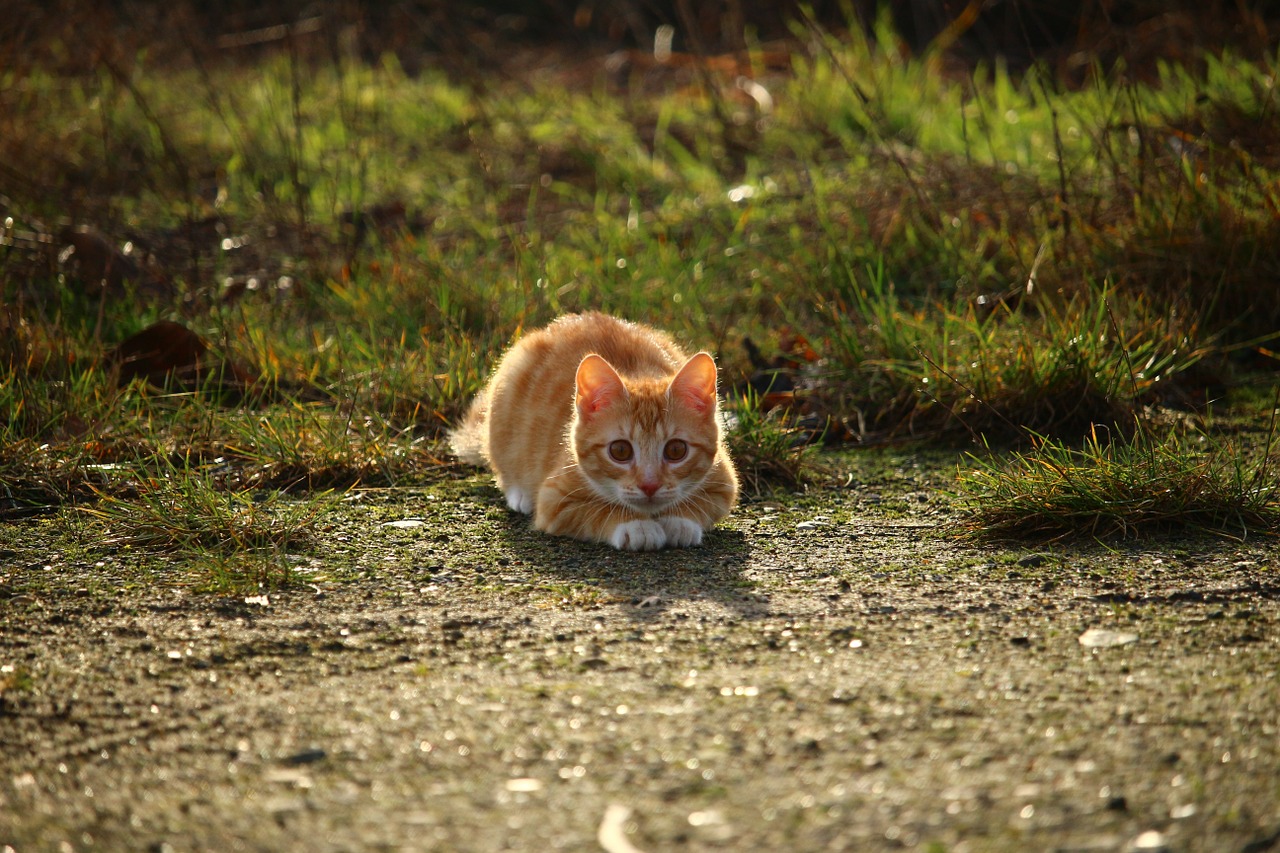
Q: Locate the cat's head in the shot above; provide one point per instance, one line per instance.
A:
(647, 444)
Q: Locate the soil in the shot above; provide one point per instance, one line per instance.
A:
(833, 670)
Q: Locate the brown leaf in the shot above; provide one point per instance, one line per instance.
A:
(168, 353)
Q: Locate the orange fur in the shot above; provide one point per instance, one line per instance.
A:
(605, 430)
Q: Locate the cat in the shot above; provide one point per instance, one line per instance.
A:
(604, 430)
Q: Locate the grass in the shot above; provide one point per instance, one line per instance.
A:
(188, 515)
(1151, 483)
(984, 257)
(769, 449)
(238, 539)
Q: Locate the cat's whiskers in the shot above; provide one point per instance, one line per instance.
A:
(605, 499)
(564, 471)
(703, 501)
(698, 503)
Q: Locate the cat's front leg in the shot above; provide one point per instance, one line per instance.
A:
(681, 532)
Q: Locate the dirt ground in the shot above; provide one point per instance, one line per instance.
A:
(831, 671)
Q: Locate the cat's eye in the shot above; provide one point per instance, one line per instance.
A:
(620, 451)
(675, 450)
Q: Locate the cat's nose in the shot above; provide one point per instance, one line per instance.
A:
(650, 489)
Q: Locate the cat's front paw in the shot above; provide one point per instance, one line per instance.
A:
(681, 532)
(640, 535)
(519, 500)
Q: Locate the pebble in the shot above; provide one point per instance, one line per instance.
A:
(307, 756)
(612, 834)
(1151, 841)
(288, 776)
(1101, 638)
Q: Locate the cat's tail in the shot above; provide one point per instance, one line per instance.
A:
(470, 439)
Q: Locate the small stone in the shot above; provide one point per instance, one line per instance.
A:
(289, 776)
(612, 834)
(405, 523)
(307, 756)
(810, 746)
(1150, 841)
(1116, 803)
(1101, 638)
(1031, 561)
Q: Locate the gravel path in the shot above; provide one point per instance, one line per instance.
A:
(829, 673)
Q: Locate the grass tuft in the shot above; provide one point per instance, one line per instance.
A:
(768, 451)
(187, 515)
(1118, 488)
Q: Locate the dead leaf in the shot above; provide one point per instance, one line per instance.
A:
(167, 354)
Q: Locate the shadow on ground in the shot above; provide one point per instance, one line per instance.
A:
(647, 584)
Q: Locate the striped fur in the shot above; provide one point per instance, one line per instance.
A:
(550, 421)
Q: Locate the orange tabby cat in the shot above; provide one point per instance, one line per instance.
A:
(605, 431)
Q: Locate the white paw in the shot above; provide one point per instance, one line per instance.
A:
(519, 501)
(641, 535)
(681, 532)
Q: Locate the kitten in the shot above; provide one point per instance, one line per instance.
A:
(604, 430)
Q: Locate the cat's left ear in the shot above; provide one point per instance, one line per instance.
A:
(695, 385)
(599, 385)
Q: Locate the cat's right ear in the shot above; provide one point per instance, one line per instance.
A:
(599, 385)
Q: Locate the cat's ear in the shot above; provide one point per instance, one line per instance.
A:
(599, 385)
(695, 385)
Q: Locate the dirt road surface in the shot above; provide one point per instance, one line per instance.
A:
(835, 671)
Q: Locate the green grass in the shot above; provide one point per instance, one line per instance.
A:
(236, 539)
(769, 449)
(976, 259)
(1152, 483)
